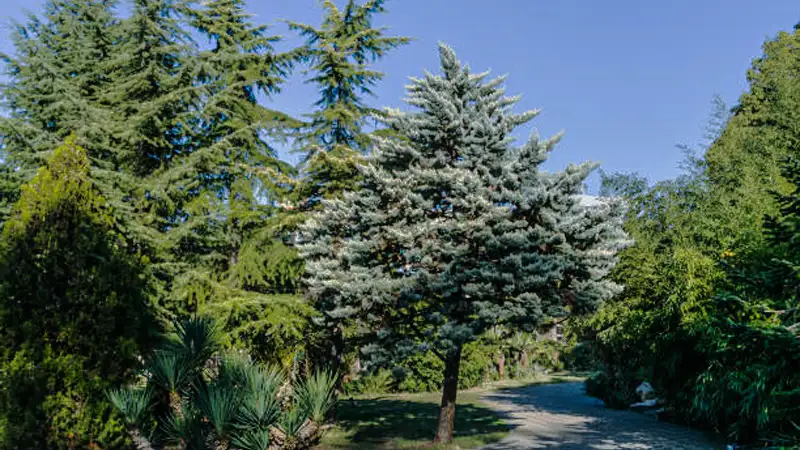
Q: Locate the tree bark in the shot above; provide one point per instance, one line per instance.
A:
(447, 411)
(139, 441)
(501, 365)
(337, 356)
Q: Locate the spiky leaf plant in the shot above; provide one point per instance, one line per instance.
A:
(316, 395)
(196, 398)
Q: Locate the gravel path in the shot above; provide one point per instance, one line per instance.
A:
(562, 417)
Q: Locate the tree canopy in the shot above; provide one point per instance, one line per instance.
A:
(340, 52)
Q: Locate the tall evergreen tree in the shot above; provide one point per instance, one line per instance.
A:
(179, 144)
(454, 230)
(237, 265)
(340, 52)
(53, 81)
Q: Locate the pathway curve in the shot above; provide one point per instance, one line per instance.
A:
(562, 417)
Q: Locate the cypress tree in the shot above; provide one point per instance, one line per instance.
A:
(340, 52)
(74, 311)
(454, 230)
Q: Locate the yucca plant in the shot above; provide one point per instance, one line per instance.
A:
(316, 395)
(194, 397)
(134, 403)
(521, 344)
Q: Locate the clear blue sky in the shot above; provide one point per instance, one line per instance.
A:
(626, 80)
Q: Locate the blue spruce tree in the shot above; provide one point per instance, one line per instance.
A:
(455, 230)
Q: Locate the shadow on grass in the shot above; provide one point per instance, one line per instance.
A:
(398, 423)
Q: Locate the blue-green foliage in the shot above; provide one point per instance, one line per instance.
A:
(454, 230)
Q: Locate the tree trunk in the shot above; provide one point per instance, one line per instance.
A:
(139, 441)
(447, 411)
(523, 360)
(175, 404)
(501, 365)
(337, 357)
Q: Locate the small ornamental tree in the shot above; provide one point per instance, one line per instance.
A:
(455, 230)
(75, 310)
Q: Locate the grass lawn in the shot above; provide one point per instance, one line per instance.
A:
(408, 421)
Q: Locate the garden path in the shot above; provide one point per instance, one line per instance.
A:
(562, 417)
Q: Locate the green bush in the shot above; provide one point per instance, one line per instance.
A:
(380, 382)
(581, 357)
(420, 373)
(74, 311)
(615, 392)
(476, 365)
(548, 354)
(424, 372)
(751, 386)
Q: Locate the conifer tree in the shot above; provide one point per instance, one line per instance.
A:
(235, 166)
(454, 230)
(53, 81)
(74, 310)
(179, 144)
(237, 265)
(340, 52)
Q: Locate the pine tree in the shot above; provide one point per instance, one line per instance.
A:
(74, 310)
(125, 88)
(454, 230)
(340, 52)
(238, 171)
(179, 144)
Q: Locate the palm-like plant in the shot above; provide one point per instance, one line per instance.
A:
(496, 337)
(134, 403)
(316, 395)
(194, 399)
(521, 344)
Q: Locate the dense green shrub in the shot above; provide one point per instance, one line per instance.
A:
(379, 382)
(581, 357)
(549, 355)
(423, 372)
(74, 311)
(614, 391)
(476, 365)
(420, 373)
(751, 386)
